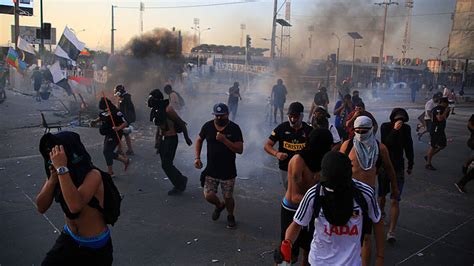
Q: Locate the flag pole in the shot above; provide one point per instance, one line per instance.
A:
(113, 124)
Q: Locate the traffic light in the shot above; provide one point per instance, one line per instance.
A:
(248, 42)
(333, 58)
(47, 31)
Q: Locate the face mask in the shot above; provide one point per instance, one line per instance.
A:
(222, 122)
(363, 137)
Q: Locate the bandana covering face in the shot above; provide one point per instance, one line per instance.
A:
(366, 146)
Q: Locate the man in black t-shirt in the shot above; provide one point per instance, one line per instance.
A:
(224, 140)
(291, 137)
(278, 97)
(233, 101)
(438, 136)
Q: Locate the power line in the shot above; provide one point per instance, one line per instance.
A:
(196, 5)
(391, 16)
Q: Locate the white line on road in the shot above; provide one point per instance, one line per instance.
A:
(56, 230)
(436, 241)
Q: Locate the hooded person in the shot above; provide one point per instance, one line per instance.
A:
(339, 207)
(303, 173)
(127, 108)
(321, 120)
(396, 136)
(85, 239)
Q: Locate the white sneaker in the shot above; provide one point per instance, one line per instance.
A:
(391, 237)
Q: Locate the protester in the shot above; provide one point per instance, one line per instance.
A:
(278, 98)
(340, 207)
(128, 110)
(341, 110)
(303, 173)
(415, 86)
(356, 98)
(468, 167)
(291, 137)
(345, 87)
(233, 101)
(367, 155)
(437, 133)
(396, 135)
(37, 78)
(112, 124)
(321, 120)
(175, 99)
(74, 182)
(358, 111)
(428, 115)
(224, 139)
(168, 123)
(451, 95)
(321, 98)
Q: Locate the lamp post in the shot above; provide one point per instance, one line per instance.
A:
(440, 61)
(199, 30)
(355, 36)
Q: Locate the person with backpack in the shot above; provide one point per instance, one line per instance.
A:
(396, 135)
(128, 110)
(303, 173)
(367, 156)
(88, 198)
(176, 101)
(169, 124)
(340, 208)
(112, 124)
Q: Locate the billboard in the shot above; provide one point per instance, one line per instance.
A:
(28, 33)
(26, 7)
(461, 39)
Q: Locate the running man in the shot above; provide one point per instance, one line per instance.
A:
(438, 135)
(233, 101)
(278, 97)
(224, 139)
(128, 110)
(291, 137)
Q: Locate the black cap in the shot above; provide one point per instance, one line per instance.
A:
(321, 109)
(336, 170)
(220, 109)
(295, 108)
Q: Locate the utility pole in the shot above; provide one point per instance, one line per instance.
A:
(242, 28)
(142, 9)
(41, 32)
(112, 33)
(386, 4)
(16, 10)
(272, 48)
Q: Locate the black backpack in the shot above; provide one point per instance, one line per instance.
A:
(112, 199)
(359, 199)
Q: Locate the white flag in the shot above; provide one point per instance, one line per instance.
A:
(56, 72)
(25, 46)
(69, 46)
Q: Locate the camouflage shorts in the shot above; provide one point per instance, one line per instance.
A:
(227, 186)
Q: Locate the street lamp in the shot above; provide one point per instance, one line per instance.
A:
(337, 53)
(199, 30)
(355, 36)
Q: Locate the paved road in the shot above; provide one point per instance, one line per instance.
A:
(435, 226)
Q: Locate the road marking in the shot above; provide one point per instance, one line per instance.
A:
(56, 230)
(437, 240)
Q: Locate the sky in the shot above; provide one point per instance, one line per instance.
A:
(92, 22)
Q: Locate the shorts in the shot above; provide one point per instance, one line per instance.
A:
(227, 186)
(438, 140)
(304, 238)
(279, 105)
(67, 252)
(384, 183)
(428, 124)
(37, 86)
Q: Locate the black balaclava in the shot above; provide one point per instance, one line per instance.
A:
(399, 114)
(158, 106)
(319, 143)
(103, 105)
(336, 180)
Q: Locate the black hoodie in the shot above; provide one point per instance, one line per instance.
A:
(398, 141)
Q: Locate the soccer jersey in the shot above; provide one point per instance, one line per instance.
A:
(336, 245)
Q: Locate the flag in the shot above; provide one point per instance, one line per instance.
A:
(85, 52)
(14, 60)
(56, 72)
(25, 46)
(69, 46)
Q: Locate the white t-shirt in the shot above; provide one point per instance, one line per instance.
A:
(428, 107)
(336, 245)
(335, 135)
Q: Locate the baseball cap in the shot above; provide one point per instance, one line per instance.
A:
(321, 109)
(295, 108)
(220, 109)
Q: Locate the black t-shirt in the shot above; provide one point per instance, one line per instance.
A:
(290, 140)
(438, 126)
(279, 93)
(127, 108)
(220, 159)
(321, 98)
(106, 126)
(232, 98)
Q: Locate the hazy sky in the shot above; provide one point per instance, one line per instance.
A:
(95, 17)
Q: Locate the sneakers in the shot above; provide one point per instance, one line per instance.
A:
(130, 152)
(231, 221)
(391, 237)
(430, 167)
(460, 188)
(217, 212)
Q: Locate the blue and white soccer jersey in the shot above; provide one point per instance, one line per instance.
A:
(336, 245)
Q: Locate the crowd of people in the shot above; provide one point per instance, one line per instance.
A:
(329, 172)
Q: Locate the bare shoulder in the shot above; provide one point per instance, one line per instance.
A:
(94, 174)
(344, 146)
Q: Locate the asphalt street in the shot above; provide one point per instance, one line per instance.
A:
(435, 226)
